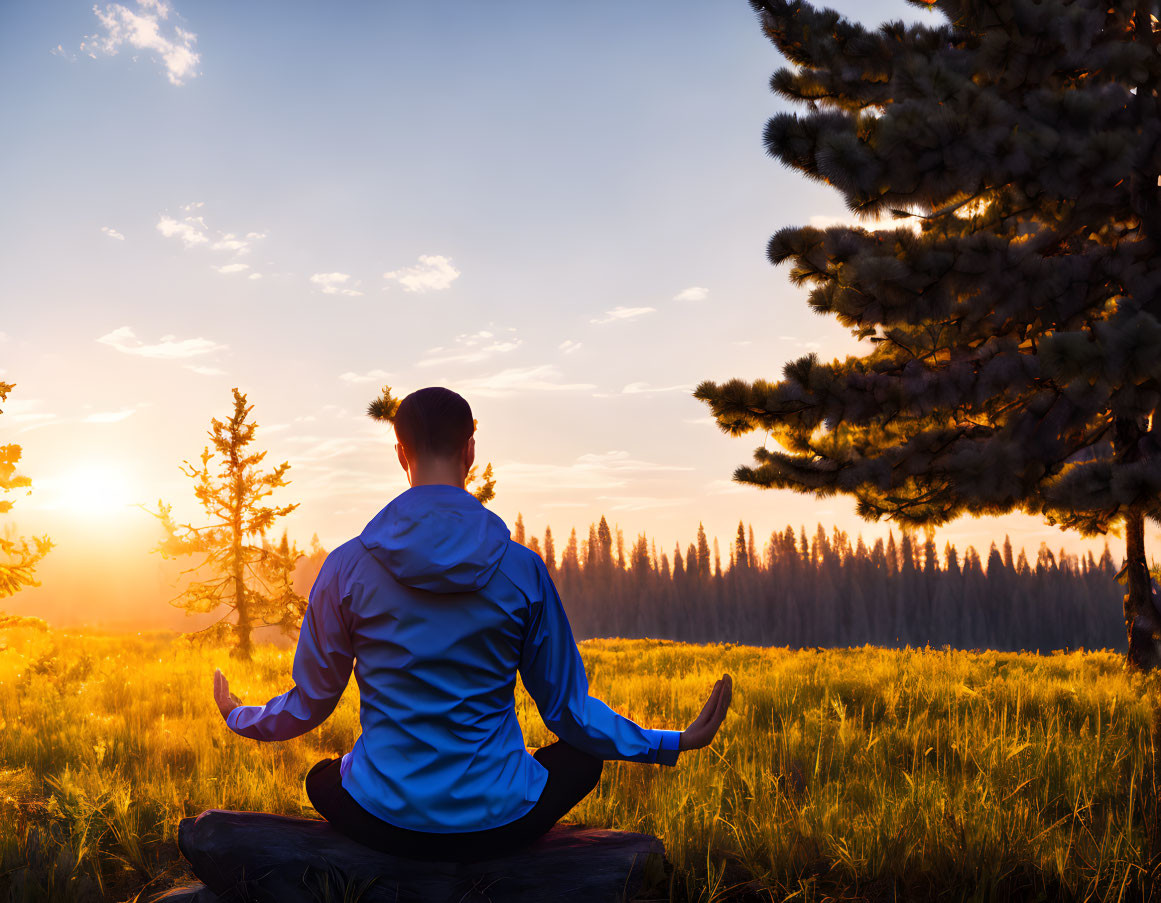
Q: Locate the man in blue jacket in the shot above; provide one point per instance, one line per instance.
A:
(437, 608)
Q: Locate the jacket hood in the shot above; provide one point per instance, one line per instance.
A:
(438, 538)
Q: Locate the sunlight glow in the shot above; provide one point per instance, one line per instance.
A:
(95, 488)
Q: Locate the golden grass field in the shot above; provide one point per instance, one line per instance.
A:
(851, 773)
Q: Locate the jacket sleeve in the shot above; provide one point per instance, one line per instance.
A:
(322, 667)
(554, 675)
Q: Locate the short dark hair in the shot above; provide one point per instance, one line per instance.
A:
(434, 422)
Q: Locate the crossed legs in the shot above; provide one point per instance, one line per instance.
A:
(572, 775)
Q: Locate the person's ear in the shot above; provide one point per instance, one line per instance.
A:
(470, 454)
(402, 458)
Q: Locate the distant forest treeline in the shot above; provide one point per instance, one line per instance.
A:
(822, 591)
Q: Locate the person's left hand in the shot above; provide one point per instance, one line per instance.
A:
(226, 700)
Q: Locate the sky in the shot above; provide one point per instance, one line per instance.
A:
(558, 210)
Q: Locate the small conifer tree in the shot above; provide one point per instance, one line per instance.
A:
(703, 553)
(18, 556)
(549, 549)
(248, 576)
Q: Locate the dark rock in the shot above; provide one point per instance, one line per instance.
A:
(260, 857)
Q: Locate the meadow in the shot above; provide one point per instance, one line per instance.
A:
(856, 773)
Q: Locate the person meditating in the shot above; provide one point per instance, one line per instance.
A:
(437, 608)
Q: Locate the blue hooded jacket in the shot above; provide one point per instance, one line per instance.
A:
(437, 609)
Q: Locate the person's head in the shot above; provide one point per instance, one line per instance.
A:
(434, 428)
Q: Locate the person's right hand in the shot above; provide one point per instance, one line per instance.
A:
(226, 700)
(701, 732)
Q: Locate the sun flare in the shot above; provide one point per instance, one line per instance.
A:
(93, 489)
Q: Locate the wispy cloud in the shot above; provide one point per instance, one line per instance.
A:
(144, 29)
(371, 376)
(231, 242)
(334, 284)
(810, 346)
(544, 378)
(603, 470)
(112, 233)
(640, 502)
(568, 346)
(232, 268)
(109, 416)
(205, 371)
(24, 411)
(623, 313)
(168, 347)
(193, 232)
(641, 388)
(433, 273)
(471, 348)
(726, 487)
(693, 293)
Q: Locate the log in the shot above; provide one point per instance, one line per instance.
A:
(262, 857)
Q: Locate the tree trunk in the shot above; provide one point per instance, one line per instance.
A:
(243, 648)
(1141, 616)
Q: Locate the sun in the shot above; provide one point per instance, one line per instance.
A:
(97, 488)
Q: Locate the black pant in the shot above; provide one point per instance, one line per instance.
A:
(572, 775)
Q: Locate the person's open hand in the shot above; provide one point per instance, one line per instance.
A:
(701, 732)
(226, 700)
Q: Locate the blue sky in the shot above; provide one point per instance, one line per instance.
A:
(559, 210)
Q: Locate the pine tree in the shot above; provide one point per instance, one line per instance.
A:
(930, 553)
(604, 544)
(253, 582)
(518, 531)
(1045, 560)
(570, 560)
(951, 558)
(703, 554)
(18, 557)
(995, 567)
(383, 409)
(907, 553)
(276, 568)
(1016, 326)
(550, 549)
(309, 566)
(741, 555)
(639, 562)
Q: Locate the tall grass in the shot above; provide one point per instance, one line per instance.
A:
(856, 773)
